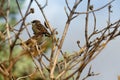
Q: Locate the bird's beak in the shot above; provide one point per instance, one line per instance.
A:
(29, 24)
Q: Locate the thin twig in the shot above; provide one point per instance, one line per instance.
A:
(41, 9)
(24, 77)
(22, 16)
(95, 9)
(21, 27)
(90, 74)
(94, 22)
(63, 37)
(86, 24)
(66, 12)
(68, 5)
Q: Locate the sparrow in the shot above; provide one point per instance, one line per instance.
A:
(39, 29)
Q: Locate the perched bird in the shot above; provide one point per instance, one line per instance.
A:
(39, 29)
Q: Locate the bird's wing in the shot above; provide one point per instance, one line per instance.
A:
(42, 28)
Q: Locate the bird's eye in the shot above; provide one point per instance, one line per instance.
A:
(33, 21)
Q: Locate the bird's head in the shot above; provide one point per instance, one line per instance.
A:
(35, 22)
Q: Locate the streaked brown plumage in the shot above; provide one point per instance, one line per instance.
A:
(39, 29)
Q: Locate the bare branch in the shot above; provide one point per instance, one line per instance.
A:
(22, 17)
(66, 12)
(41, 9)
(17, 35)
(63, 37)
(28, 76)
(68, 5)
(86, 24)
(90, 74)
(60, 64)
(45, 4)
(95, 9)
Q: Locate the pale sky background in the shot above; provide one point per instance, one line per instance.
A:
(107, 63)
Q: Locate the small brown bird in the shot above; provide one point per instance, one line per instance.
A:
(39, 29)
